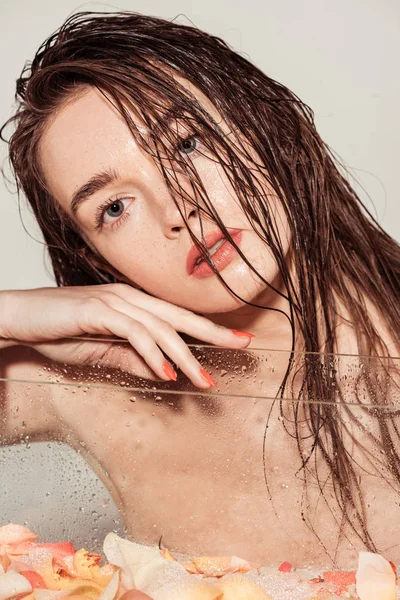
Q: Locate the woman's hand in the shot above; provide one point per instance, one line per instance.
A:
(37, 317)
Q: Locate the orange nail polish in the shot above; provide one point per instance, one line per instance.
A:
(207, 377)
(169, 371)
(243, 333)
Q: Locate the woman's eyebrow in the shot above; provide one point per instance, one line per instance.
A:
(95, 184)
(104, 178)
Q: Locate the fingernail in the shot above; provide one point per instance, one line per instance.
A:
(169, 371)
(243, 333)
(207, 377)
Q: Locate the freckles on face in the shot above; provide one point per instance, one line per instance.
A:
(86, 138)
(115, 193)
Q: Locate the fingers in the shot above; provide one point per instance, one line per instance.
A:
(183, 320)
(125, 358)
(174, 347)
(151, 326)
(99, 318)
(146, 327)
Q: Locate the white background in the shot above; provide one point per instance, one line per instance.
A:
(341, 57)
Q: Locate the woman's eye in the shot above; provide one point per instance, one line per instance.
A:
(188, 146)
(115, 210)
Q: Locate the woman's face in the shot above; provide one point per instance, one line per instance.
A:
(114, 191)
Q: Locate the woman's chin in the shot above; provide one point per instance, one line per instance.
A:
(237, 287)
(222, 300)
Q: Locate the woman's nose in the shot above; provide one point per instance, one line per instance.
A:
(177, 217)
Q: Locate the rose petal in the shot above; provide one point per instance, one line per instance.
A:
(59, 550)
(285, 567)
(111, 590)
(15, 550)
(12, 584)
(217, 566)
(241, 565)
(39, 560)
(213, 566)
(140, 564)
(134, 595)
(15, 534)
(375, 578)
(50, 595)
(34, 579)
(237, 587)
(342, 579)
(189, 588)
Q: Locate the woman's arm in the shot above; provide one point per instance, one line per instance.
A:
(43, 317)
(26, 408)
(42, 324)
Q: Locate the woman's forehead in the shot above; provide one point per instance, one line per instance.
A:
(91, 109)
(86, 135)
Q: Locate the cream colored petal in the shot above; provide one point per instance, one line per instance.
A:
(375, 579)
(144, 568)
(137, 561)
(190, 588)
(110, 592)
(13, 584)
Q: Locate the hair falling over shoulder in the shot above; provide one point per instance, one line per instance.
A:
(340, 255)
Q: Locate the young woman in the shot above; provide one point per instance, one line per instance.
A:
(184, 194)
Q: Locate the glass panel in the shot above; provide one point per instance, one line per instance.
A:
(246, 469)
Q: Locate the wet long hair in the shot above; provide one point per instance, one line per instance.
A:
(340, 255)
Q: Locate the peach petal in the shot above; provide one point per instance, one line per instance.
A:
(40, 560)
(217, 566)
(237, 587)
(12, 534)
(213, 566)
(134, 595)
(49, 595)
(84, 562)
(15, 550)
(167, 554)
(111, 591)
(241, 565)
